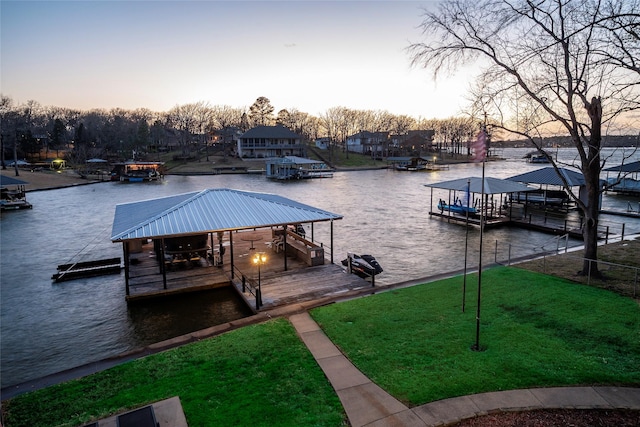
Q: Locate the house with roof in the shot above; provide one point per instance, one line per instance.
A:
(228, 135)
(413, 142)
(365, 142)
(270, 141)
(323, 143)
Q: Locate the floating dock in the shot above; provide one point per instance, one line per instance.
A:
(79, 270)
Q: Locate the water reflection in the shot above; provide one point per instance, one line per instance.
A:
(183, 313)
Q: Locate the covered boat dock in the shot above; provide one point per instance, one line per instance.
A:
(13, 198)
(626, 181)
(413, 164)
(217, 237)
(551, 193)
(466, 205)
(294, 167)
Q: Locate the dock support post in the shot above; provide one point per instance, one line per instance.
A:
(125, 250)
(163, 267)
(622, 233)
(284, 245)
(331, 241)
(231, 252)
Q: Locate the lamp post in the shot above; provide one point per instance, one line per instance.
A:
(259, 259)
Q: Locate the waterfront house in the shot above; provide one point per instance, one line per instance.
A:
(270, 141)
(365, 142)
(323, 143)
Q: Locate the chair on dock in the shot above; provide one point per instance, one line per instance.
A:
(277, 244)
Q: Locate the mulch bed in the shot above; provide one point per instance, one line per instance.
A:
(557, 418)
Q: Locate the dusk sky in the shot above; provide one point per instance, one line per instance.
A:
(309, 55)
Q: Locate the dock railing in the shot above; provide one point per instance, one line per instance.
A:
(248, 285)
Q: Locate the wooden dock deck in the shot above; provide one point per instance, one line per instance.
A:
(557, 225)
(279, 287)
(473, 220)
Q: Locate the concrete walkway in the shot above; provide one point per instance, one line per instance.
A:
(366, 404)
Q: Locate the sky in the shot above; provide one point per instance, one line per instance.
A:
(304, 55)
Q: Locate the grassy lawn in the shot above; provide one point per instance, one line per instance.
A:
(536, 331)
(255, 376)
(354, 160)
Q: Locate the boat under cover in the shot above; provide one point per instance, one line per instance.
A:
(457, 207)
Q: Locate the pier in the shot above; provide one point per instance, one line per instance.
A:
(300, 282)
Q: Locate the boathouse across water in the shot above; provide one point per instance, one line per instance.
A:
(465, 205)
(184, 227)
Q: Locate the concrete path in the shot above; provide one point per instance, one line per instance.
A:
(366, 404)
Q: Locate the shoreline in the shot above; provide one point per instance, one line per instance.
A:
(49, 180)
(52, 180)
(14, 390)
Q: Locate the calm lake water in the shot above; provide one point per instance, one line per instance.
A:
(47, 327)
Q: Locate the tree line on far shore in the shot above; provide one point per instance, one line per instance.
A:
(31, 130)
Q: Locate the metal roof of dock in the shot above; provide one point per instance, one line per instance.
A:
(549, 176)
(491, 185)
(627, 167)
(210, 210)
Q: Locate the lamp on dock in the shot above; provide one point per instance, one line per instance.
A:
(259, 259)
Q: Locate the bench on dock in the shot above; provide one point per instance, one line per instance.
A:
(304, 250)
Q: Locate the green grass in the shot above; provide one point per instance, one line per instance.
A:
(258, 375)
(340, 159)
(536, 331)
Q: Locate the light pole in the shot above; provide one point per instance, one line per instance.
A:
(259, 259)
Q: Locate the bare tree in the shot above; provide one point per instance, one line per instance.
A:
(334, 121)
(571, 63)
(7, 125)
(226, 118)
(184, 118)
